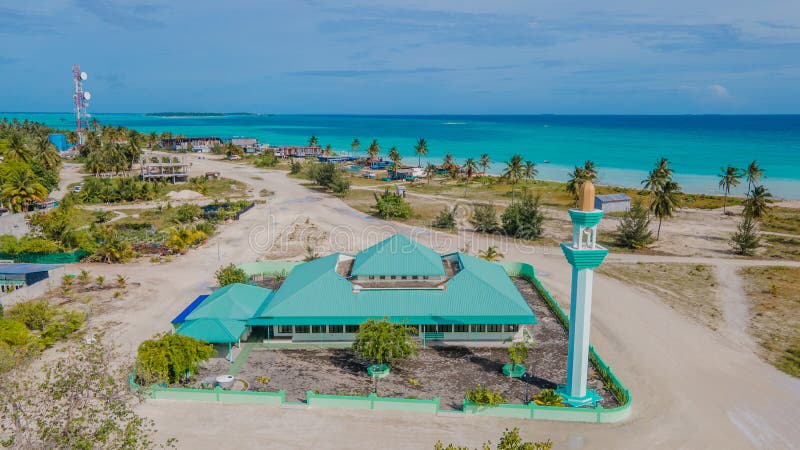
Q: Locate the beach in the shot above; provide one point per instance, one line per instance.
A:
(623, 147)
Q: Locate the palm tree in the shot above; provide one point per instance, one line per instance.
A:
(576, 179)
(660, 174)
(490, 254)
(328, 150)
(513, 172)
(727, 179)
(754, 173)
(529, 171)
(430, 171)
(756, 203)
(591, 170)
(394, 156)
(354, 145)
(470, 167)
(21, 187)
(373, 150)
(485, 163)
(16, 150)
(313, 141)
(666, 200)
(47, 154)
(152, 138)
(421, 149)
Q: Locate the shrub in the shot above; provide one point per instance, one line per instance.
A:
(482, 396)
(187, 213)
(14, 333)
(746, 238)
(384, 342)
(391, 206)
(34, 314)
(170, 357)
(446, 219)
(295, 168)
(230, 274)
(509, 441)
(548, 397)
(518, 352)
(634, 229)
(524, 219)
(267, 159)
(329, 177)
(63, 326)
(484, 218)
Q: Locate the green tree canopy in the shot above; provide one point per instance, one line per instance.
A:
(384, 342)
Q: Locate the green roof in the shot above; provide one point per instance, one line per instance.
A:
(398, 255)
(232, 302)
(314, 293)
(217, 331)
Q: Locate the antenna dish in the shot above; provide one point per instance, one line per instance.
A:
(84, 76)
(87, 95)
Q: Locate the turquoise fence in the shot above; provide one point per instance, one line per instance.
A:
(374, 403)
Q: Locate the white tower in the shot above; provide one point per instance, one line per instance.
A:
(584, 255)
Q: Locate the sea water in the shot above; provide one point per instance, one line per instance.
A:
(624, 148)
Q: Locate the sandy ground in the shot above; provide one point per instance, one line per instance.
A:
(692, 388)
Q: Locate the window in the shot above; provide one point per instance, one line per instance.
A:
(429, 328)
(382, 277)
(479, 328)
(372, 277)
(404, 277)
(424, 277)
(351, 328)
(394, 277)
(511, 328)
(285, 329)
(301, 328)
(494, 328)
(445, 328)
(460, 328)
(414, 277)
(318, 328)
(335, 328)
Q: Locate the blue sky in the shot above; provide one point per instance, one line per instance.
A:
(426, 57)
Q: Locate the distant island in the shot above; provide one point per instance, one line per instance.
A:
(197, 114)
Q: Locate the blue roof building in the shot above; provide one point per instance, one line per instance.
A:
(14, 276)
(454, 297)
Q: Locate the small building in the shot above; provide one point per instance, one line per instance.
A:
(15, 276)
(285, 151)
(59, 141)
(400, 191)
(612, 202)
(248, 145)
(198, 144)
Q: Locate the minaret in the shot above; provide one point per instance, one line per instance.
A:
(584, 255)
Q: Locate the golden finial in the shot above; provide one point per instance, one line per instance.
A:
(586, 197)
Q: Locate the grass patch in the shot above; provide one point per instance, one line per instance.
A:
(775, 309)
(213, 188)
(782, 220)
(781, 247)
(689, 289)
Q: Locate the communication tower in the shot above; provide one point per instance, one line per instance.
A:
(81, 99)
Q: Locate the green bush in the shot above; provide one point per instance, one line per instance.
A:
(634, 230)
(67, 323)
(188, 212)
(446, 219)
(384, 342)
(548, 397)
(295, 168)
(267, 159)
(170, 357)
(524, 218)
(329, 177)
(482, 396)
(484, 219)
(14, 333)
(391, 206)
(34, 314)
(230, 274)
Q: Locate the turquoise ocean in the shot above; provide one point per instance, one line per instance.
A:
(623, 147)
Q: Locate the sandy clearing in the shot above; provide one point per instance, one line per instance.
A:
(692, 388)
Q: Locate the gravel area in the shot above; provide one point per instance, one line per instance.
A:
(444, 371)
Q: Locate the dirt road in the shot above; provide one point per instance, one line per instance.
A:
(692, 388)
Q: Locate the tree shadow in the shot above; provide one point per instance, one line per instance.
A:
(347, 361)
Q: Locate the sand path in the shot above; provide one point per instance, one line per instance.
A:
(692, 388)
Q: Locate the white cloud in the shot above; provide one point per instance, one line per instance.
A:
(719, 91)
